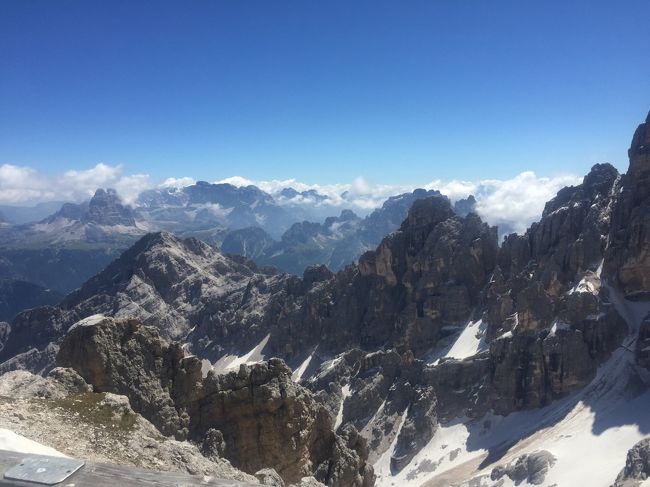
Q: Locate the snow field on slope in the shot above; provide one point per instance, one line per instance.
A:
(589, 432)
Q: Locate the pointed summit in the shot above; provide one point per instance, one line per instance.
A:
(106, 208)
(627, 261)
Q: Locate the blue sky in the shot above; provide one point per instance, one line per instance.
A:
(395, 92)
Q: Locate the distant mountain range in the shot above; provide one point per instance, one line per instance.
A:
(62, 250)
(19, 215)
(336, 242)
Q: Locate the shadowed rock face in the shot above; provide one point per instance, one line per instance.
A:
(263, 417)
(421, 278)
(530, 468)
(104, 208)
(337, 242)
(571, 236)
(17, 295)
(251, 242)
(627, 260)
(637, 466)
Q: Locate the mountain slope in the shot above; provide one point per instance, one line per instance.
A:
(16, 296)
(203, 205)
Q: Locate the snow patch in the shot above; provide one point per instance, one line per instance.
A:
(382, 466)
(557, 325)
(300, 371)
(88, 321)
(345, 392)
(470, 341)
(228, 363)
(600, 422)
(11, 441)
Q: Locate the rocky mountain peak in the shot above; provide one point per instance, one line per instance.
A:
(71, 211)
(627, 261)
(465, 206)
(428, 212)
(600, 178)
(106, 208)
(596, 185)
(289, 193)
(639, 154)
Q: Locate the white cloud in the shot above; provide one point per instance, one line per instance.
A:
(361, 194)
(510, 203)
(25, 185)
(94, 177)
(513, 203)
(18, 184)
(519, 201)
(129, 187)
(177, 182)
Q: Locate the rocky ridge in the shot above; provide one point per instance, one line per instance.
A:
(336, 242)
(256, 417)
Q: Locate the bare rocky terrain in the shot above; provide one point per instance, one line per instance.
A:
(441, 358)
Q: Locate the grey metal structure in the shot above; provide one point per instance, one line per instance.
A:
(25, 470)
(44, 470)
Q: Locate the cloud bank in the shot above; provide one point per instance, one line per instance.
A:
(24, 185)
(513, 203)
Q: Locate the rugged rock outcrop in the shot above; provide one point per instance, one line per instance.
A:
(465, 206)
(530, 468)
(337, 242)
(175, 284)
(105, 208)
(571, 236)
(258, 417)
(627, 259)
(637, 466)
(29, 343)
(420, 279)
(62, 412)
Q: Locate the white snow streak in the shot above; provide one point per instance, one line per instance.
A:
(11, 441)
(470, 341)
(345, 390)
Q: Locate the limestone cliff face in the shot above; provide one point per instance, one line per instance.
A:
(420, 279)
(549, 320)
(105, 208)
(627, 259)
(256, 417)
(637, 466)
